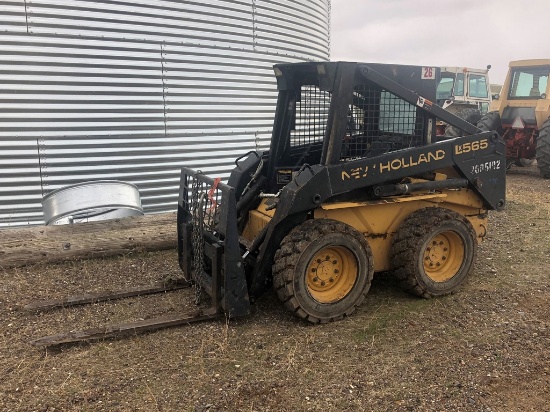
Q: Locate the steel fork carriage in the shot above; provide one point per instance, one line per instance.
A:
(208, 232)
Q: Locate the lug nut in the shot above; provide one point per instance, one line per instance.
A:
(443, 257)
(334, 262)
(331, 280)
(336, 271)
(323, 283)
(318, 260)
(314, 270)
(316, 279)
(327, 258)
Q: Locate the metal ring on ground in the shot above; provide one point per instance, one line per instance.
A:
(91, 201)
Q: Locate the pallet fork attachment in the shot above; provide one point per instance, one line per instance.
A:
(122, 329)
(89, 298)
(126, 328)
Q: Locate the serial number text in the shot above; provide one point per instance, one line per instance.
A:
(486, 167)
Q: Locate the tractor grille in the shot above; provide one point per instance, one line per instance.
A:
(380, 122)
(311, 119)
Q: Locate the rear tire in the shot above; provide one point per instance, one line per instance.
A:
(323, 270)
(490, 122)
(433, 251)
(543, 149)
(470, 115)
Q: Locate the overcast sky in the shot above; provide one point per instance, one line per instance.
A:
(472, 33)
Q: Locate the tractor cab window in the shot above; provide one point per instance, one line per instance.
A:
(445, 87)
(484, 107)
(529, 83)
(478, 86)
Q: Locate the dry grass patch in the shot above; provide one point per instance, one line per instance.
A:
(484, 348)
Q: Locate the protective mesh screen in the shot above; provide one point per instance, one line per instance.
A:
(203, 200)
(311, 118)
(379, 122)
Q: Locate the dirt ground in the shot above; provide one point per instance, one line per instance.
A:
(485, 348)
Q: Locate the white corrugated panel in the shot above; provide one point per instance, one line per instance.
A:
(133, 90)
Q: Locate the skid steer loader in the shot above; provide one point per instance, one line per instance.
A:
(353, 183)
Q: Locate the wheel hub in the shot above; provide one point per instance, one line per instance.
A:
(443, 256)
(325, 271)
(331, 274)
(437, 253)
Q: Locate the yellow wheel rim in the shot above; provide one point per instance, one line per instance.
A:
(443, 256)
(331, 274)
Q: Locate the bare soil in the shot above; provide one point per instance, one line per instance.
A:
(485, 348)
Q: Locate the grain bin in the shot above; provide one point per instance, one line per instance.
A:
(133, 90)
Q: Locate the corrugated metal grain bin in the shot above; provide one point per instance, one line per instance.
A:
(133, 90)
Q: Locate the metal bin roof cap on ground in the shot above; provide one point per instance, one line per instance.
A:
(91, 201)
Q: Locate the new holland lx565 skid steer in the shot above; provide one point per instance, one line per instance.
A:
(351, 185)
(354, 183)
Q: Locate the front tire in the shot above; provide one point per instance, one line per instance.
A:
(543, 149)
(433, 252)
(323, 270)
(469, 114)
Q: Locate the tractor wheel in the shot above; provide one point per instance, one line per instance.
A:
(490, 122)
(433, 251)
(543, 149)
(470, 114)
(323, 270)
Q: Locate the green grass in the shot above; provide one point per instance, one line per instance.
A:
(388, 316)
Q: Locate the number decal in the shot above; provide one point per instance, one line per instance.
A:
(428, 73)
(486, 167)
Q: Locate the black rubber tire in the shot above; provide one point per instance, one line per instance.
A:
(490, 122)
(297, 251)
(470, 114)
(413, 239)
(543, 149)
